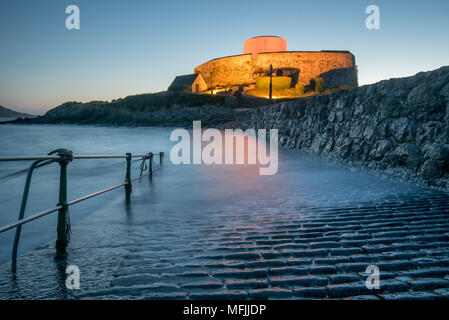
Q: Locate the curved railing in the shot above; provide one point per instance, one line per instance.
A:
(63, 157)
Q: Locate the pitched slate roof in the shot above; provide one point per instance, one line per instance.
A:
(184, 80)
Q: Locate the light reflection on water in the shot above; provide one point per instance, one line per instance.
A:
(176, 190)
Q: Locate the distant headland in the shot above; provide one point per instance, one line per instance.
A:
(8, 113)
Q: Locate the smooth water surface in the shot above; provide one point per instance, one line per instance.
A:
(179, 189)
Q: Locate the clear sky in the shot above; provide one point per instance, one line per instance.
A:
(132, 47)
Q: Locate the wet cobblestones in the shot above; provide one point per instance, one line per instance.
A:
(290, 253)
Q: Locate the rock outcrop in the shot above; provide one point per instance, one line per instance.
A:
(8, 113)
(177, 108)
(399, 126)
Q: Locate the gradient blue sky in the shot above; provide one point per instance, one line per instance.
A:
(131, 47)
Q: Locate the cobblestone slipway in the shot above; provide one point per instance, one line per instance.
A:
(276, 245)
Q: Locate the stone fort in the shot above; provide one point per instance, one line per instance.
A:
(336, 68)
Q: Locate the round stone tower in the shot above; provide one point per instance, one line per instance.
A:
(262, 44)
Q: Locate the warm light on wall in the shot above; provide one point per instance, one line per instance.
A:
(264, 44)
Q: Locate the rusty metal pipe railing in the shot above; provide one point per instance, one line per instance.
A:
(29, 219)
(48, 211)
(23, 206)
(96, 193)
(63, 158)
(76, 157)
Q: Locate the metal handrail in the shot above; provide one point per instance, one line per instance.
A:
(63, 157)
(48, 211)
(76, 157)
(98, 193)
(23, 221)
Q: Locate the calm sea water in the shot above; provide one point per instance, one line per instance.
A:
(185, 188)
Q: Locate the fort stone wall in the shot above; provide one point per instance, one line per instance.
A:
(336, 67)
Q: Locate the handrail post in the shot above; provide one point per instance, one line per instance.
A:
(150, 168)
(21, 214)
(128, 186)
(62, 230)
(161, 156)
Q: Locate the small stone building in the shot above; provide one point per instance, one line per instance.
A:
(190, 82)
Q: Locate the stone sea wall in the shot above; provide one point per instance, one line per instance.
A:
(396, 126)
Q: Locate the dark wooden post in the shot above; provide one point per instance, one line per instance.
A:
(128, 186)
(271, 83)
